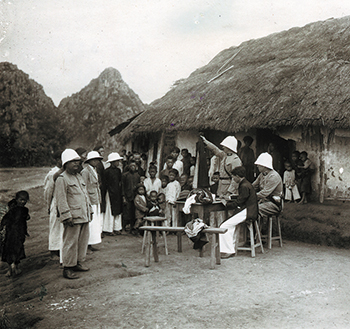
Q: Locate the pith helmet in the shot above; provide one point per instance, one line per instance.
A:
(265, 160)
(93, 155)
(230, 142)
(69, 155)
(114, 156)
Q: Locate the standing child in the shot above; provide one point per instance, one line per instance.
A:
(215, 179)
(296, 162)
(152, 183)
(165, 181)
(162, 204)
(141, 208)
(15, 223)
(307, 170)
(168, 166)
(172, 192)
(289, 181)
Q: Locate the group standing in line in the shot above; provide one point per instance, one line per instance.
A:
(88, 198)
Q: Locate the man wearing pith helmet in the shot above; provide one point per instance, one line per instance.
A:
(74, 209)
(228, 160)
(269, 186)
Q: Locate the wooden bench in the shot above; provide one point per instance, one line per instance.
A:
(152, 238)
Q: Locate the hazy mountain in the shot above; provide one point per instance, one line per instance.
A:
(30, 129)
(100, 106)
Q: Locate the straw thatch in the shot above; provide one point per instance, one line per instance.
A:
(298, 77)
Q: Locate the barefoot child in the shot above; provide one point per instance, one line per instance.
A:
(172, 192)
(291, 190)
(15, 223)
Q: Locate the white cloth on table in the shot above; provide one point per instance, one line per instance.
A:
(229, 239)
(111, 223)
(189, 201)
(95, 225)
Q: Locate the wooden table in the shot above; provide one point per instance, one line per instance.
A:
(203, 211)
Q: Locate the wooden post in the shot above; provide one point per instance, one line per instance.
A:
(179, 241)
(324, 132)
(218, 256)
(269, 234)
(175, 215)
(148, 248)
(257, 229)
(155, 246)
(213, 252)
(160, 152)
(252, 240)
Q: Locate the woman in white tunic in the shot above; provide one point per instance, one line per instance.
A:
(91, 179)
(55, 226)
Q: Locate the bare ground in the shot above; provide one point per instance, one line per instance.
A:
(298, 286)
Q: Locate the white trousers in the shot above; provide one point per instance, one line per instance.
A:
(111, 223)
(292, 194)
(95, 225)
(229, 239)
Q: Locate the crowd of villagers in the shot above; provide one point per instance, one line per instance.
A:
(88, 198)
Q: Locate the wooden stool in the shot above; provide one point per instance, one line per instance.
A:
(253, 245)
(150, 222)
(269, 233)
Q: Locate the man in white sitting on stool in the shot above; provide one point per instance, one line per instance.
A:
(245, 209)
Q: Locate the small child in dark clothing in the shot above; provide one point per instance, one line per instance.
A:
(161, 203)
(215, 178)
(153, 206)
(15, 224)
(141, 208)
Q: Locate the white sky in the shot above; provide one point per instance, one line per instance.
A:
(63, 44)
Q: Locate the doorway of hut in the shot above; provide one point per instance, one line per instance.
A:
(280, 148)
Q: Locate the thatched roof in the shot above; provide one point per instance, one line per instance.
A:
(298, 77)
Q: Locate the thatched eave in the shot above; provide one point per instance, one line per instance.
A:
(299, 77)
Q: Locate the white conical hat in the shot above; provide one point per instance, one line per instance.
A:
(230, 142)
(69, 155)
(265, 160)
(93, 155)
(114, 156)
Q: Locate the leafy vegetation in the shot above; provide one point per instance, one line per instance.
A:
(30, 129)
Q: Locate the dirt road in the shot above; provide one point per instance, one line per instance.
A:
(297, 286)
(13, 180)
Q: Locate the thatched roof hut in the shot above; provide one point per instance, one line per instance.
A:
(299, 77)
(292, 82)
